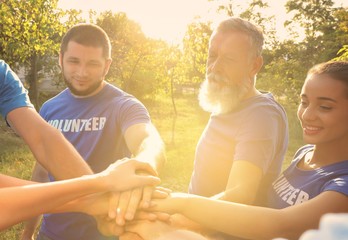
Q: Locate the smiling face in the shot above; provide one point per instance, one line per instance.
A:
(323, 111)
(84, 68)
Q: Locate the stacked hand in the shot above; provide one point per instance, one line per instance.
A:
(112, 210)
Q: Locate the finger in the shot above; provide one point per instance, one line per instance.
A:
(122, 207)
(142, 215)
(160, 194)
(133, 203)
(163, 189)
(147, 181)
(147, 195)
(152, 216)
(164, 217)
(130, 236)
(113, 204)
(144, 167)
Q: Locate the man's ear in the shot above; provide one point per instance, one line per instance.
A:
(107, 66)
(60, 60)
(257, 65)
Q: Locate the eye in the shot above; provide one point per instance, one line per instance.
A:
(94, 64)
(303, 103)
(325, 108)
(72, 61)
(231, 58)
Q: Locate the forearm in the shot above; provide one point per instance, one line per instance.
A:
(46, 196)
(7, 181)
(230, 218)
(59, 157)
(30, 227)
(182, 234)
(152, 151)
(48, 145)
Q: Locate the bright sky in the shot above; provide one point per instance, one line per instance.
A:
(168, 19)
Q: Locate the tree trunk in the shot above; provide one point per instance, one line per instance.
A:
(174, 107)
(32, 78)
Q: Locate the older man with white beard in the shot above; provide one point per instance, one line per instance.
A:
(241, 150)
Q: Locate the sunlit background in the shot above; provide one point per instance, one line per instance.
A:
(167, 19)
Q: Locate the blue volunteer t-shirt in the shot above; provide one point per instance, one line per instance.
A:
(295, 186)
(12, 93)
(95, 125)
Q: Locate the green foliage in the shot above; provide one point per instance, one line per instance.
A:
(342, 54)
(15, 160)
(31, 30)
(196, 42)
(139, 63)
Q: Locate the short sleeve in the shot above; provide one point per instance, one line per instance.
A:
(259, 133)
(12, 93)
(338, 184)
(133, 112)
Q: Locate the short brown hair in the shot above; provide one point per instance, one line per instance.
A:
(87, 35)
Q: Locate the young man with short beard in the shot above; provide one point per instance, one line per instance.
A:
(104, 124)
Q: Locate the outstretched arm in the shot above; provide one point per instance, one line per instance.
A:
(47, 197)
(146, 145)
(253, 222)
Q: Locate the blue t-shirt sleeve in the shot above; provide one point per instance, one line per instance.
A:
(133, 112)
(338, 184)
(12, 93)
(258, 138)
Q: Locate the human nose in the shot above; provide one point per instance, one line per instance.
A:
(82, 71)
(308, 114)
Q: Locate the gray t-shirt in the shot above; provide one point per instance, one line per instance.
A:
(257, 132)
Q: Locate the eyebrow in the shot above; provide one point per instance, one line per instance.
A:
(321, 98)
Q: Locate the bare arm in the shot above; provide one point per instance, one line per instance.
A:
(50, 197)
(253, 222)
(48, 145)
(242, 187)
(39, 175)
(146, 145)
(243, 183)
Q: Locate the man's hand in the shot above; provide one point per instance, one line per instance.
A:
(107, 226)
(123, 207)
(125, 174)
(130, 236)
(149, 229)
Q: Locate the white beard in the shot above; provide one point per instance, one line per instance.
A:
(219, 100)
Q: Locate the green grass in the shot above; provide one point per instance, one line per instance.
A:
(16, 159)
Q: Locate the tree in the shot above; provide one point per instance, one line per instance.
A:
(342, 32)
(131, 52)
(319, 22)
(31, 32)
(196, 43)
